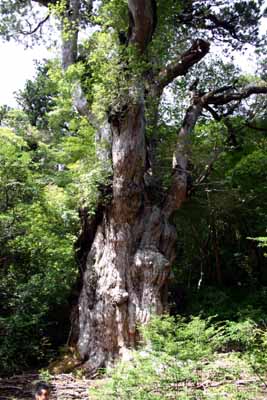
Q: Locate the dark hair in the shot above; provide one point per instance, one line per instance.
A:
(41, 386)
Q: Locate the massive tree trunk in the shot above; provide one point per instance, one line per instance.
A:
(129, 261)
(131, 245)
(126, 274)
(124, 282)
(127, 250)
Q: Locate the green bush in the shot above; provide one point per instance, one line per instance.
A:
(37, 232)
(172, 354)
(175, 354)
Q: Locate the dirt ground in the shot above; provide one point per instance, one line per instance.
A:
(64, 387)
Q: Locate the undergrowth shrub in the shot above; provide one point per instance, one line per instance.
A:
(174, 353)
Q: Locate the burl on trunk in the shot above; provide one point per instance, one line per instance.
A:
(131, 245)
(129, 261)
(128, 265)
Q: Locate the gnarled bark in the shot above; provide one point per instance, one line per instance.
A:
(129, 262)
(126, 251)
(125, 281)
(128, 266)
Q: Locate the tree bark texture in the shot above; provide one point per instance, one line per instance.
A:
(126, 250)
(129, 257)
(128, 265)
(129, 262)
(70, 24)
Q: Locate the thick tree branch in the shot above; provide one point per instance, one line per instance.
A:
(217, 117)
(234, 95)
(70, 32)
(180, 67)
(185, 61)
(81, 105)
(178, 189)
(142, 22)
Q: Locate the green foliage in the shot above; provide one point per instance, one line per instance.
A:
(177, 337)
(48, 169)
(180, 354)
(38, 97)
(113, 14)
(37, 232)
(227, 208)
(262, 241)
(174, 349)
(250, 172)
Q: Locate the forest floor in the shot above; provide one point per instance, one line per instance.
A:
(226, 377)
(64, 387)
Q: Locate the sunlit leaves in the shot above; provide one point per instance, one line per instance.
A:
(37, 233)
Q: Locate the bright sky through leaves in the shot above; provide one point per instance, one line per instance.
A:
(18, 65)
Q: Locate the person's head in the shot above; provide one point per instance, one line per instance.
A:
(42, 391)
